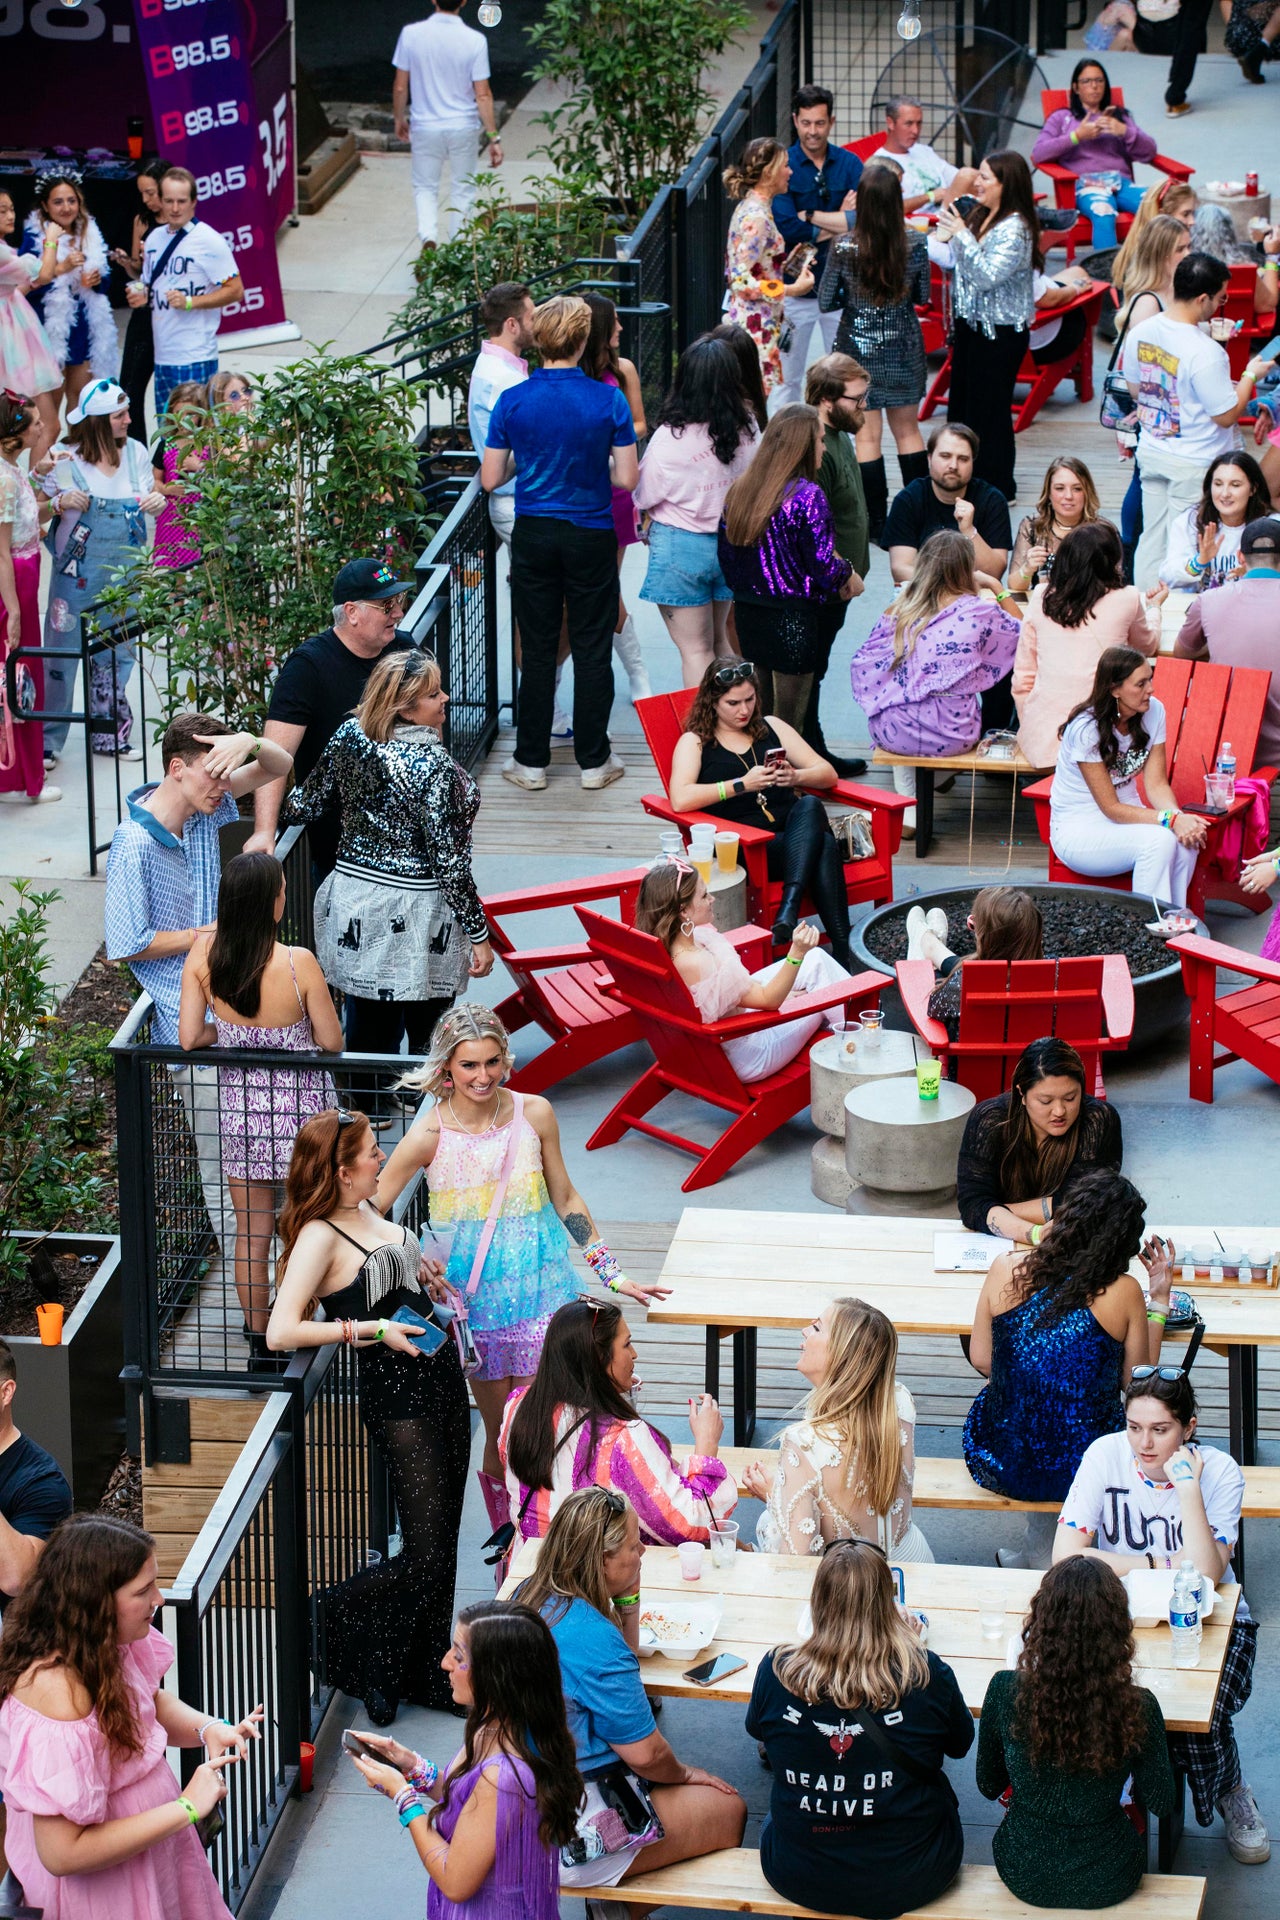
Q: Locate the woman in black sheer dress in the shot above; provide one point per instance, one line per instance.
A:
(387, 1628)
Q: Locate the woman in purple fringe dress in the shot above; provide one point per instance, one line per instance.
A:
(489, 1828)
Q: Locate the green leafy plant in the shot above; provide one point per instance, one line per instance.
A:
(50, 1096)
(327, 471)
(635, 70)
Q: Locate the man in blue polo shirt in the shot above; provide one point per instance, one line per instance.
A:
(163, 873)
(569, 441)
(817, 207)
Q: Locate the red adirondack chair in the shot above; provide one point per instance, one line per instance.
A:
(1255, 328)
(662, 716)
(1204, 703)
(689, 1054)
(1006, 1004)
(1052, 100)
(562, 989)
(1076, 365)
(1245, 1021)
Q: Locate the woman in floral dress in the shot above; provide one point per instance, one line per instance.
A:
(756, 251)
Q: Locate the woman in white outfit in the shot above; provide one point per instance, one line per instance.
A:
(675, 906)
(844, 1471)
(1099, 824)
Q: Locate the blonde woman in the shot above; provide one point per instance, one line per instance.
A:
(586, 1586)
(483, 1148)
(855, 1722)
(922, 671)
(1170, 200)
(399, 925)
(756, 252)
(1068, 498)
(845, 1470)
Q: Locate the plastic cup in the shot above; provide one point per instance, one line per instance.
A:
(49, 1320)
(306, 1765)
(690, 1553)
(726, 845)
(869, 1026)
(992, 1625)
(1217, 790)
(724, 1544)
(928, 1078)
(700, 860)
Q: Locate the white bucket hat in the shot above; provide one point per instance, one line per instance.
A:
(99, 397)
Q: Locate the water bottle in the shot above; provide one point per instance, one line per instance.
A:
(1196, 1581)
(1184, 1619)
(1227, 768)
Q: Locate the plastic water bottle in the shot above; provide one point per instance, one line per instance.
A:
(1226, 767)
(1196, 1579)
(1184, 1617)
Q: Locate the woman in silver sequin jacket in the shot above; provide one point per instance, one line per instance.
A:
(994, 255)
(399, 925)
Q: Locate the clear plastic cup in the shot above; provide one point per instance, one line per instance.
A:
(870, 1024)
(724, 1544)
(691, 1554)
(991, 1625)
(726, 845)
(700, 860)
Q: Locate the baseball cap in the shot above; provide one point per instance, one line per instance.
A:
(1261, 536)
(368, 580)
(99, 397)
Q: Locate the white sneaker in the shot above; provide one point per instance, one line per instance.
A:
(917, 926)
(46, 796)
(532, 779)
(908, 823)
(593, 778)
(561, 724)
(936, 921)
(129, 753)
(1247, 1839)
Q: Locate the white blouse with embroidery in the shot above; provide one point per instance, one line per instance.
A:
(19, 510)
(817, 1495)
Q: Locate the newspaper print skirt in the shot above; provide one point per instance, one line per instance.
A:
(386, 938)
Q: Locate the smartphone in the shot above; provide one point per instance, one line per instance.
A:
(775, 758)
(210, 1825)
(799, 260)
(432, 1338)
(352, 1743)
(718, 1668)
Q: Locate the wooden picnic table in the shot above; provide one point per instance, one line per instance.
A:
(734, 1272)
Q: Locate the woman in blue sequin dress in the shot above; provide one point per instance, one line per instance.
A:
(1058, 1330)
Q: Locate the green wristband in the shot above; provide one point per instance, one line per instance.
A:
(382, 1328)
(790, 961)
(188, 1809)
(626, 1599)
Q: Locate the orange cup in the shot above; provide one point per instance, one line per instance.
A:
(306, 1765)
(49, 1317)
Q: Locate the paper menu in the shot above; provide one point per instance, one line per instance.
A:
(967, 1252)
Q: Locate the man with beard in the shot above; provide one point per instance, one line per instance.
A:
(817, 207)
(950, 497)
(506, 313)
(836, 385)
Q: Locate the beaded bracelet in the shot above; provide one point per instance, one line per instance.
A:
(423, 1774)
(604, 1265)
(1195, 565)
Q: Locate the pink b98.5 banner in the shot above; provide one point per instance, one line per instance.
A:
(197, 61)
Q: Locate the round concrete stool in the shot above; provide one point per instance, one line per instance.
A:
(895, 1142)
(832, 1074)
(728, 899)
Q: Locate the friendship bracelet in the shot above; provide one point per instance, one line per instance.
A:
(214, 1722)
(1195, 565)
(604, 1265)
(404, 1798)
(423, 1774)
(1168, 816)
(189, 1809)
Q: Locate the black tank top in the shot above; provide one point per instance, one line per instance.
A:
(719, 763)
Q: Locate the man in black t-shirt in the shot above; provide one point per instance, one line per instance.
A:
(949, 498)
(34, 1494)
(319, 686)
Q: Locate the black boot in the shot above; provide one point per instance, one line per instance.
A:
(831, 898)
(875, 487)
(784, 927)
(915, 466)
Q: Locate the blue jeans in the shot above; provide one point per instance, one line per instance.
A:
(1100, 204)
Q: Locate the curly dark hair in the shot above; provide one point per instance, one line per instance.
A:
(1076, 1708)
(1088, 565)
(1097, 1230)
(1113, 669)
(701, 718)
(707, 392)
(65, 1616)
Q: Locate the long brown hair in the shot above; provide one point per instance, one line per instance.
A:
(1026, 1167)
(665, 898)
(328, 1141)
(1007, 925)
(702, 719)
(1259, 507)
(65, 1615)
(573, 1371)
(1088, 566)
(1042, 512)
(1076, 1708)
(860, 1651)
(1115, 664)
(788, 452)
(855, 1404)
(94, 441)
(880, 238)
(519, 1697)
(1017, 197)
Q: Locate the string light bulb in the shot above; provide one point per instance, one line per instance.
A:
(490, 13)
(909, 20)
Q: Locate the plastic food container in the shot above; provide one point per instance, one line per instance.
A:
(679, 1628)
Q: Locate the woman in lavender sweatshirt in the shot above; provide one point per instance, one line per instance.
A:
(778, 555)
(1098, 142)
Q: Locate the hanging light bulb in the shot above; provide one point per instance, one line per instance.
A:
(490, 13)
(909, 20)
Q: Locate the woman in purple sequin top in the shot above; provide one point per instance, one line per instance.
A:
(777, 551)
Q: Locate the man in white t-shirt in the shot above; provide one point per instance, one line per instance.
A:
(188, 273)
(506, 313)
(1188, 404)
(440, 96)
(927, 179)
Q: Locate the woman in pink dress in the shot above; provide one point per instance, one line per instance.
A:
(96, 1824)
(27, 363)
(21, 741)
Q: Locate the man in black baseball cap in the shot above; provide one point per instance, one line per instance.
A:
(321, 683)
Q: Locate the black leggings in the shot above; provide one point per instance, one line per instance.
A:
(378, 1026)
(803, 853)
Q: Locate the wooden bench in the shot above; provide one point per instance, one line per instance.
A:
(972, 762)
(731, 1881)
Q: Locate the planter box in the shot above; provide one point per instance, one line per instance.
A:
(70, 1399)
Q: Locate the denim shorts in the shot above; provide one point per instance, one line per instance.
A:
(684, 570)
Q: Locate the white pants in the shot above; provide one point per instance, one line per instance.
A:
(431, 147)
(802, 316)
(197, 1088)
(1161, 868)
(1168, 485)
(756, 1055)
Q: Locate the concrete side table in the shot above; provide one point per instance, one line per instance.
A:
(728, 899)
(895, 1142)
(1242, 208)
(832, 1074)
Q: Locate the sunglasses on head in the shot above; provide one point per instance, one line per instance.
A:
(734, 674)
(852, 1540)
(345, 1119)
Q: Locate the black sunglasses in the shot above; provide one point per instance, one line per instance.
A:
(733, 675)
(853, 1540)
(345, 1119)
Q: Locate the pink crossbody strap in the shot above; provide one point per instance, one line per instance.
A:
(499, 1194)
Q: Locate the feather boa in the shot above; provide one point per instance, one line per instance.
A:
(62, 295)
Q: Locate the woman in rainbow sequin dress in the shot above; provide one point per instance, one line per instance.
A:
(507, 1196)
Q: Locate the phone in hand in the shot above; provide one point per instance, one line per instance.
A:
(718, 1668)
(775, 759)
(799, 260)
(432, 1337)
(352, 1743)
